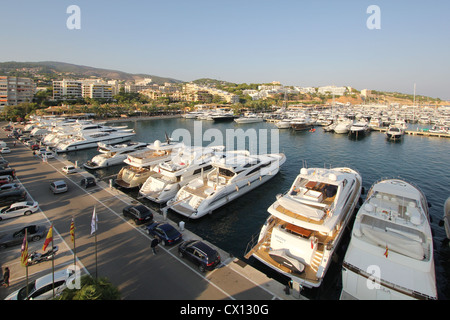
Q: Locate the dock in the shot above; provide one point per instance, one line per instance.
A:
(417, 132)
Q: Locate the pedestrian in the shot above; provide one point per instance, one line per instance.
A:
(6, 277)
(14, 143)
(154, 244)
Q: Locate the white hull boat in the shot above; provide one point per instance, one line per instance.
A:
(390, 254)
(234, 174)
(306, 224)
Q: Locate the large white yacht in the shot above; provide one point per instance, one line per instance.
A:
(188, 164)
(91, 140)
(111, 155)
(141, 165)
(306, 224)
(235, 173)
(390, 254)
(359, 129)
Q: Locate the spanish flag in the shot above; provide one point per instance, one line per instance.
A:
(49, 238)
(386, 252)
(24, 251)
(72, 231)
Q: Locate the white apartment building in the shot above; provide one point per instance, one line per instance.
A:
(337, 91)
(15, 90)
(75, 89)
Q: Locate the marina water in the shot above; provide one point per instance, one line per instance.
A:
(421, 160)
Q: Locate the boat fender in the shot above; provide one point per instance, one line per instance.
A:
(248, 183)
(237, 188)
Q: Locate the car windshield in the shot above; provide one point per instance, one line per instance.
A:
(22, 294)
(30, 203)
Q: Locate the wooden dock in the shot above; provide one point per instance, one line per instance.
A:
(417, 133)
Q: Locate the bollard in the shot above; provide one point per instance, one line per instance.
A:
(110, 183)
(181, 225)
(164, 212)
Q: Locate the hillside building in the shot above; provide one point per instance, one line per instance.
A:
(15, 90)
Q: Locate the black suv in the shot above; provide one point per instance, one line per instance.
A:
(11, 196)
(200, 253)
(139, 213)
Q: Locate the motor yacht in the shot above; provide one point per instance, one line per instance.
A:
(283, 124)
(390, 254)
(141, 165)
(395, 132)
(91, 140)
(234, 174)
(111, 155)
(249, 118)
(188, 164)
(306, 224)
(301, 123)
(343, 127)
(359, 129)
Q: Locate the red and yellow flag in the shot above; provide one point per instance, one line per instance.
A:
(386, 252)
(49, 238)
(24, 251)
(72, 231)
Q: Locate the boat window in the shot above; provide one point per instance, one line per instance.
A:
(226, 172)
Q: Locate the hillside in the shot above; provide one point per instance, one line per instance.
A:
(45, 71)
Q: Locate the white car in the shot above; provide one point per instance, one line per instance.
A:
(19, 209)
(47, 154)
(69, 169)
(5, 150)
(42, 289)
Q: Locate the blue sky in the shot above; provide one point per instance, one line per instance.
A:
(307, 43)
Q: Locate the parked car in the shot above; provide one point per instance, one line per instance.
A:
(88, 182)
(10, 186)
(42, 288)
(18, 209)
(205, 257)
(59, 186)
(34, 233)
(8, 197)
(69, 169)
(7, 172)
(164, 232)
(4, 163)
(139, 213)
(35, 147)
(5, 180)
(47, 154)
(5, 150)
(2, 144)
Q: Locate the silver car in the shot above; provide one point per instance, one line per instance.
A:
(58, 186)
(19, 209)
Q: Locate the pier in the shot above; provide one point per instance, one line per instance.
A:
(417, 132)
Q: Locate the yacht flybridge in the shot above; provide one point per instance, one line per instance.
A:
(234, 174)
(307, 222)
(190, 163)
(142, 164)
(392, 237)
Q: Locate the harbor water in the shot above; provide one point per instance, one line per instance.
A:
(418, 159)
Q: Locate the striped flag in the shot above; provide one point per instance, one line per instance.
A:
(72, 231)
(49, 238)
(24, 251)
(386, 252)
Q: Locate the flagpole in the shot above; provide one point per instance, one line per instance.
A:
(26, 261)
(53, 269)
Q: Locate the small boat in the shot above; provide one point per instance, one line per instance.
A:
(301, 123)
(283, 124)
(359, 129)
(343, 127)
(391, 234)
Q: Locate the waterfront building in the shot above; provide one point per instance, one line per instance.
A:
(15, 90)
(75, 89)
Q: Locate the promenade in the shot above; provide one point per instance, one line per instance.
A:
(123, 249)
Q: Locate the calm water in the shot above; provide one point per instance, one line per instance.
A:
(421, 160)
